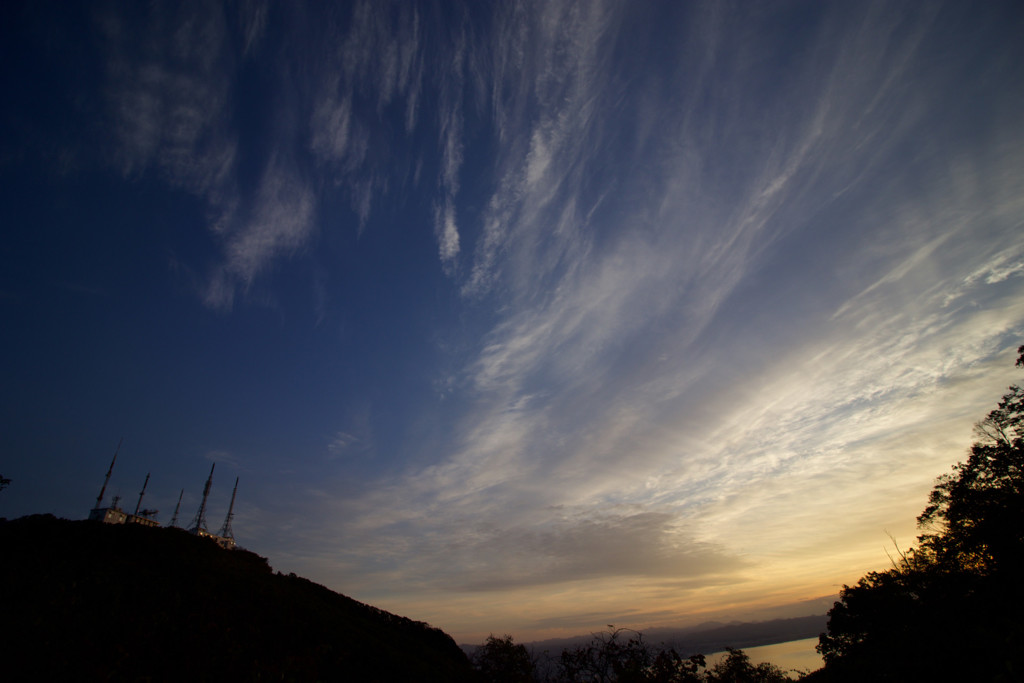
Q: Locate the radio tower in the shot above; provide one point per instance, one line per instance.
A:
(99, 498)
(141, 494)
(225, 531)
(198, 525)
(174, 517)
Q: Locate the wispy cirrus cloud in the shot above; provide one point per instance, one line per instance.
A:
(377, 64)
(544, 84)
(728, 284)
(217, 456)
(168, 95)
(770, 315)
(450, 114)
(253, 23)
(171, 99)
(279, 221)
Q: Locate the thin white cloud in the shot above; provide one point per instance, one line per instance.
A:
(378, 58)
(253, 20)
(279, 222)
(447, 234)
(341, 442)
(899, 270)
(356, 439)
(218, 456)
(451, 144)
(168, 95)
(556, 76)
(332, 120)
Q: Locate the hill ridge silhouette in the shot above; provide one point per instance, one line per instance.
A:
(89, 601)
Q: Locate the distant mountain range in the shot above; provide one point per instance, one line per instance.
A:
(707, 637)
(712, 637)
(89, 601)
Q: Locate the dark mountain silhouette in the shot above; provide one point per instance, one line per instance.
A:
(90, 601)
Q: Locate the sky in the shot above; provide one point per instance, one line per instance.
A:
(518, 318)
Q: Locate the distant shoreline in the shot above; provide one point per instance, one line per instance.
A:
(789, 655)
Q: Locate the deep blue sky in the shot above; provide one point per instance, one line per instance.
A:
(513, 317)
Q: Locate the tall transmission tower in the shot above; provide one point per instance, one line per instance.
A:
(141, 494)
(99, 498)
(199, 523)
(174, 517)
(225, 531)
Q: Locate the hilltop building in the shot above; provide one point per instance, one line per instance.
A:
(114, 514)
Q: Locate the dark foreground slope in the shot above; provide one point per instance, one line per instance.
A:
(88, 601)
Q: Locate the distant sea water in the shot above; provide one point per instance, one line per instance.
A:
(795, 654)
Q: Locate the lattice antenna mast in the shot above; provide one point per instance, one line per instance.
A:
(199, 523)
(99, 498)
(225, 531)
(174, 517)
(141, 494)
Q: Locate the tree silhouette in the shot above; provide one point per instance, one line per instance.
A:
(736, 668)
(950, 608)
(500, 660)
(608, 657)
(976, 513)
(618, 655)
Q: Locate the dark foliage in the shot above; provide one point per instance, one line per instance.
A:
(948, 610)
(620, 656)
(89, 602)
(500, 660)
(736, 668)
(977, 513)
(608, 657)
(920, 624)
(671, 667)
